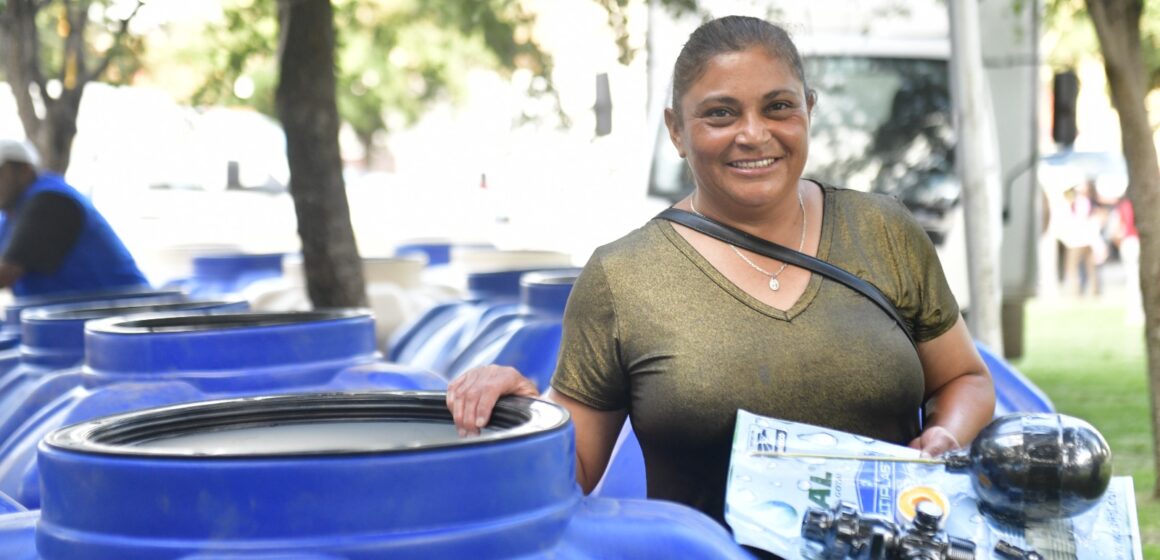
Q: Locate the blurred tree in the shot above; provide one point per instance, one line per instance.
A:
(394, 59)
(306, 105)
(51, 50)
(395, 56)
(1118, 26)
(310, 85)
(1071, 37)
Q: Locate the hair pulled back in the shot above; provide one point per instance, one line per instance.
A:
(731, 34)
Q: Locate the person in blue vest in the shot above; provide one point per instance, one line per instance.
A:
(52, 239)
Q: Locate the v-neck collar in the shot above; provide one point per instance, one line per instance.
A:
(803, 302)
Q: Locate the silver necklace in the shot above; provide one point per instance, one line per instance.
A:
(773, 282)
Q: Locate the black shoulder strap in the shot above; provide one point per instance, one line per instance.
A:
(784, 254)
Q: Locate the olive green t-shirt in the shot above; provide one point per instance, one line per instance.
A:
(652, 327)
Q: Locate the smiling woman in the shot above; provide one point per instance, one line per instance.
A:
(745, 135)
(679, 330)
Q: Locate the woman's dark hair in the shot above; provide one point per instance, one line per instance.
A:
(731, 34)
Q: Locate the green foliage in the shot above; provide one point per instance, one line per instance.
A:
(618, 21)
(244, 43)
(1093, 366)
(1069, 20)
(100, 24)
(394, 58)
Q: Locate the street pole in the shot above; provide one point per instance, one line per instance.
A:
(978, 170)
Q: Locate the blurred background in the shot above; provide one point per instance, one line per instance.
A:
(463, 145)
(533, 125)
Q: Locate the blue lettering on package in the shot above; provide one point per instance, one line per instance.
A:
(875, 487)
(759, 440)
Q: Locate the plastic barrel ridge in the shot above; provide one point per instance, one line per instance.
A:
(530, 339)
(440, 335)
(188, 481)
(435, 252)
(54, 348)
(1014, 392)
(13, 310)
(229, 273)
(10, 330)
(158, 359)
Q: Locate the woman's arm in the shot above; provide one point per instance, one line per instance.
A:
(596, 433)
(471, 398)
(960, 398)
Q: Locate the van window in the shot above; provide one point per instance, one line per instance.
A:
(880, 124)
(884, 125)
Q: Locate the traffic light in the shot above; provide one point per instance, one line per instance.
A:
(1065, 90)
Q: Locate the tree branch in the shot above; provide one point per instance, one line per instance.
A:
(118, 37)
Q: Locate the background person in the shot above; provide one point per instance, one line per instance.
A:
(1080, 229)
(1122, 225)
(52, 239)
(677, 330)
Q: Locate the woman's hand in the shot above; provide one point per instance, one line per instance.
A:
(960, 393)
(935, 441)
(472, 396)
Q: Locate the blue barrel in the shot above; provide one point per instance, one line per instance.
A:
(437, 337)
(438, 252)
(1014, 392)
(9, 351)
(435, 252)
(528, 340)
(8, 505)
(16, 307)
(229, 273)
(337, 476)
(54, 348)
(151, 360)
(10, 331)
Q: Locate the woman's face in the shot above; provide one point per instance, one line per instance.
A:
(744, 127)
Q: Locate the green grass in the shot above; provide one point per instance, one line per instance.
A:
(1092, 366)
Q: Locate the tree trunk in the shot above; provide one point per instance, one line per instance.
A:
(19, 43)
(53, 133)
(59, 129)
(309, 113)
(1117, 24)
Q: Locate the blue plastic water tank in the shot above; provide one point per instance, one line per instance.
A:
(528, 340)
(10, 330)
(337, 476)
(53, 349)
(8, 505)
(152, 360)
(438, 252)
(437, 337)
(229, 273)
(9, 351)
(1013, 391)
(16, 307)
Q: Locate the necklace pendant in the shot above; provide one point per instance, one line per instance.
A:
(774, 284)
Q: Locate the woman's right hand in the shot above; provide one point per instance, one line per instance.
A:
(472, 396)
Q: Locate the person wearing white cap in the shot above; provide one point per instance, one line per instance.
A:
(52, 239)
